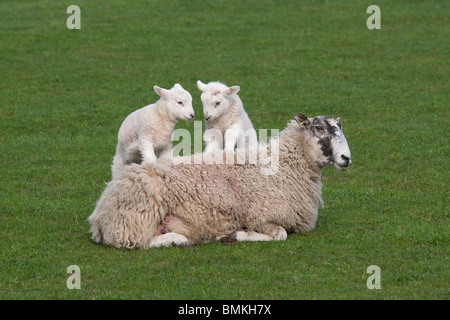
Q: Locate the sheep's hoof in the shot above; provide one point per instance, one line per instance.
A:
(185, 244)
(279, 234)
(230, 238)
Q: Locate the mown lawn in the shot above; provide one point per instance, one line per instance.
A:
(64, 94)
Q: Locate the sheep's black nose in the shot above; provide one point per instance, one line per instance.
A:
(345, 158)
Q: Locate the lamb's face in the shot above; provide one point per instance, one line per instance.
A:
(214, 105)
(179, 102)
(330, 138)
(216, 99)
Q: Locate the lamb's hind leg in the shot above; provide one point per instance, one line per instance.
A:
(118, 162)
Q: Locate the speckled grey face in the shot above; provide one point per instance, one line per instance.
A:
(330, 137)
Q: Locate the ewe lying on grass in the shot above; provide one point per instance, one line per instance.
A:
(223, 110)
(168, 204)
(146, 133)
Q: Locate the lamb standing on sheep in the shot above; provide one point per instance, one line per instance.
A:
(146, 133)
(202, 203)
(224, 111)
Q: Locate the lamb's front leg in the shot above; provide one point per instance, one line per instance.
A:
(231, 137)
(147, 151)
(213, 140)
(166, 152)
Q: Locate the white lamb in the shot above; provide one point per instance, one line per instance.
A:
(224, 111)
(146, 133)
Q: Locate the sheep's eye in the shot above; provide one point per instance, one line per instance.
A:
(180, 103)
(319, 129)
(217, 104)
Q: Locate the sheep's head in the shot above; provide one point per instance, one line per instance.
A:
(330, 137)
(179, 101)
(216, 98)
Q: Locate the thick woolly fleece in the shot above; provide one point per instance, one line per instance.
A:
(213, 200)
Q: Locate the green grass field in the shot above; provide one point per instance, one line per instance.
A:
(64, 94)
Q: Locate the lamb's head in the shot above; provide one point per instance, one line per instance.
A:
(330, 138)
(178, 101)
(216, 98)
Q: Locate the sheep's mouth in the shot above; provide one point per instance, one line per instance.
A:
(341, 167)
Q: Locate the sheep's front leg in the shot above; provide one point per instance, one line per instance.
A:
(278, 233)
(168, 240)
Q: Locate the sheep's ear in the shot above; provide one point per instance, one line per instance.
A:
(302, 120)
(201, 86)
(177, 86)
(232, 90)
(163, 93)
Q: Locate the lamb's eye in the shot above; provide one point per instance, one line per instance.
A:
(180, 103)
(217, 104)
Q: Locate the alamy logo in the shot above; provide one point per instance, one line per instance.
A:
(264, 152)
(74, 20)
(74, 280)
(374, 281)
(374, 21)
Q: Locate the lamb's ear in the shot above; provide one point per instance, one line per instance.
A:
(232, 90)
(302, 120)
(177, 86)
(201, 86)
(163, 93)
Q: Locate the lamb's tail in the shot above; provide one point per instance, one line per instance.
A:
(130, 209)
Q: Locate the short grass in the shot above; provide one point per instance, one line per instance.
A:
(64, 94)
